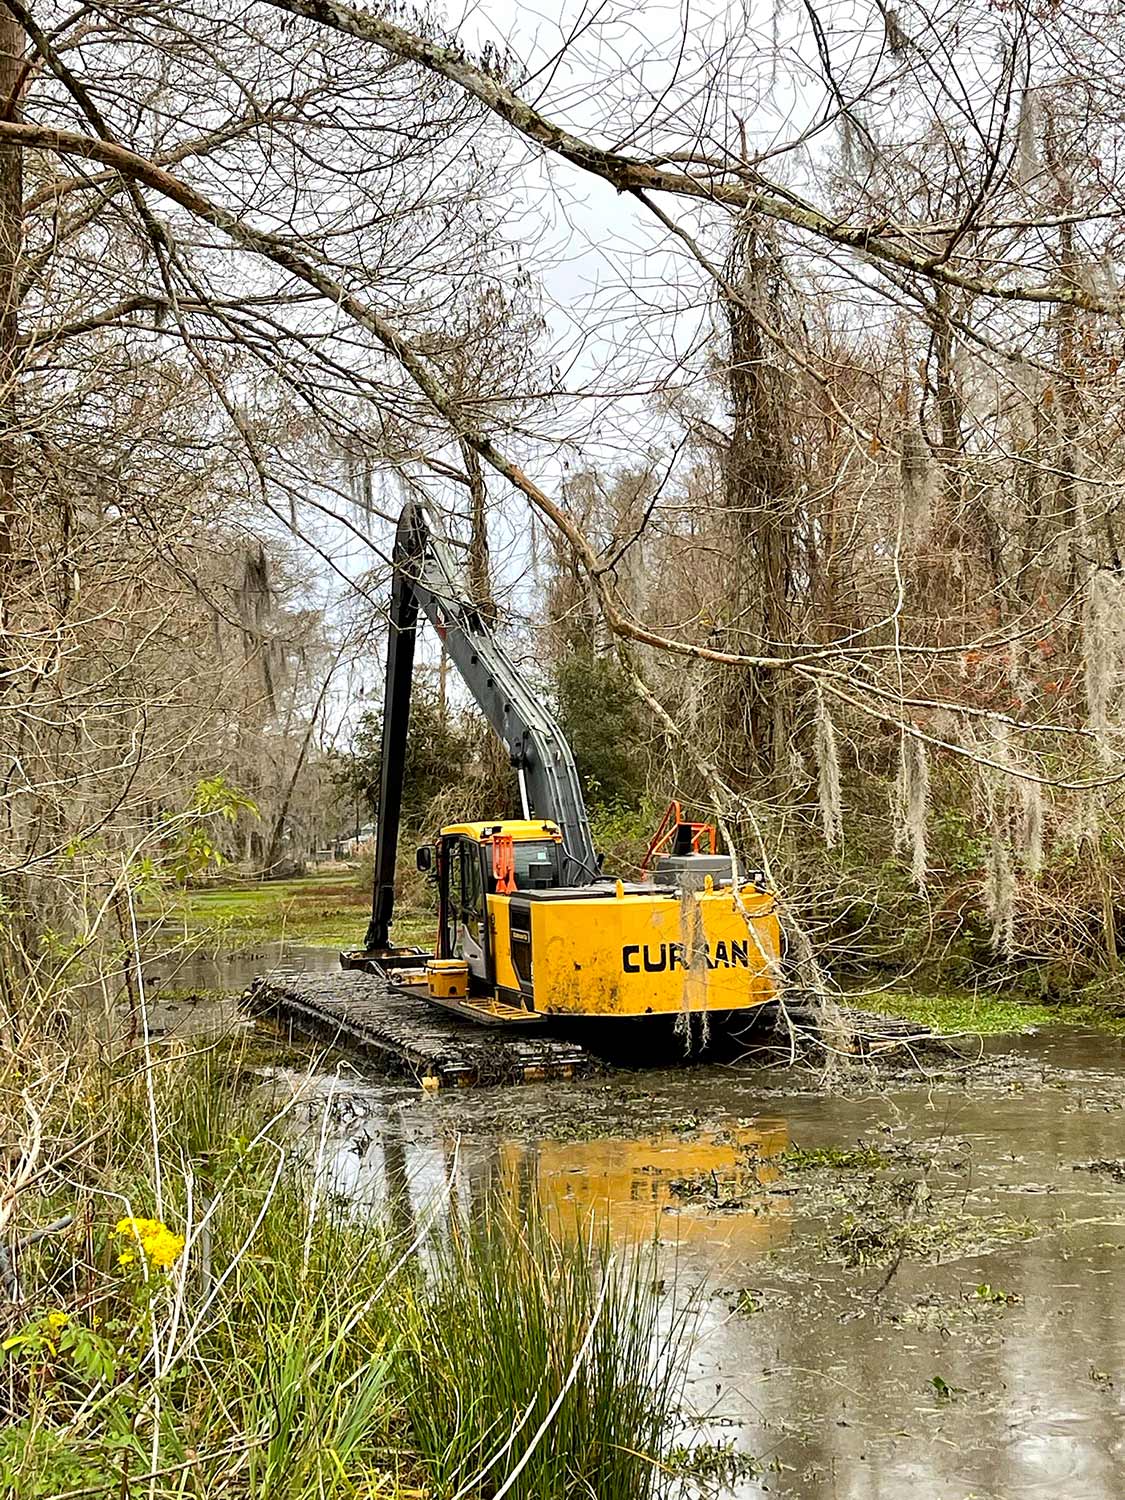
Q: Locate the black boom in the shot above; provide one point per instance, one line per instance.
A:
(427, 578)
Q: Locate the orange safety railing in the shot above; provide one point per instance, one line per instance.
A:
(504, 863)
(676, 829)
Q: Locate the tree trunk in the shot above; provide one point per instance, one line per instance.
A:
(760, 503)
(273, 853)
(480, 572)
(12, 45)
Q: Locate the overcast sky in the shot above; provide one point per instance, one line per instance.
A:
(628, 309)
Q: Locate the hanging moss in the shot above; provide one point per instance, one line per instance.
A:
(828, 775)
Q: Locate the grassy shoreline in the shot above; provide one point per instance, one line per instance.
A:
(203, 1316)
(979, 1013)
(329, 910)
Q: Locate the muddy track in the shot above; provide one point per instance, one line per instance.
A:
(406, 1035)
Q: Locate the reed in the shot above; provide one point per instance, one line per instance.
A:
(254, 1337)
(532, 1364)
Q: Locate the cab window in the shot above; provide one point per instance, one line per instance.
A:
(537, 866)
(451, 853)
(472, 894)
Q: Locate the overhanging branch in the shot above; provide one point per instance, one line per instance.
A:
(874, 242)
(813, 663)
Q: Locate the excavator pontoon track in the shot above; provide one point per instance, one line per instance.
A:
(406, 1034)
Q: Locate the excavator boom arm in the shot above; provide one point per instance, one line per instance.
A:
(427, 578)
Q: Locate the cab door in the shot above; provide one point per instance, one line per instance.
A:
(464, 933)
(449, 876)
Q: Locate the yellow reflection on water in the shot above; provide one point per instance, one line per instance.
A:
(710, 1186)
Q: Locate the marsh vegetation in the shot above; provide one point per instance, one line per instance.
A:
(195, 1310)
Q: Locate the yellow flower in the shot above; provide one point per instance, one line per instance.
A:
(160, 1246)
(164, 1249)
(57, 1320)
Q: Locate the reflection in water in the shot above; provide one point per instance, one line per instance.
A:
(823, 1371)
(716, 1182)
(713, 1187)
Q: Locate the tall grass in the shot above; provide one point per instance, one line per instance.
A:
(530, 1361)
(293, 1349)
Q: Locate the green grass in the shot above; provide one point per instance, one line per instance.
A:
(295, 1350)
(330, 911)
(989, 1015)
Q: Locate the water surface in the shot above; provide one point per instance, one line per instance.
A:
(992, 1367)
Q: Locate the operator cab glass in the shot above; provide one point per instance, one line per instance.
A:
(463, 914)
(538, 866)
(467, 877)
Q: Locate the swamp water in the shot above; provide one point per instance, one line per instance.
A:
(911, 1286)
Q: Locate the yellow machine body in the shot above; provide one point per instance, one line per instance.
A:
(599, 951)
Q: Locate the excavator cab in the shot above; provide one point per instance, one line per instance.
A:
(476, 861)
(472, 861)
(519, 942)
(479, 868)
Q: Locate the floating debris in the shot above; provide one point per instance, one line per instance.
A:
(1111, 1167)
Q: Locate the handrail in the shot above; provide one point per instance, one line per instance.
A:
(687, 836)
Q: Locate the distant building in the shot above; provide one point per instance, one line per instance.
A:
(360, 843)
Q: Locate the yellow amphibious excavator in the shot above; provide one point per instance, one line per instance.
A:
(529, 927)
